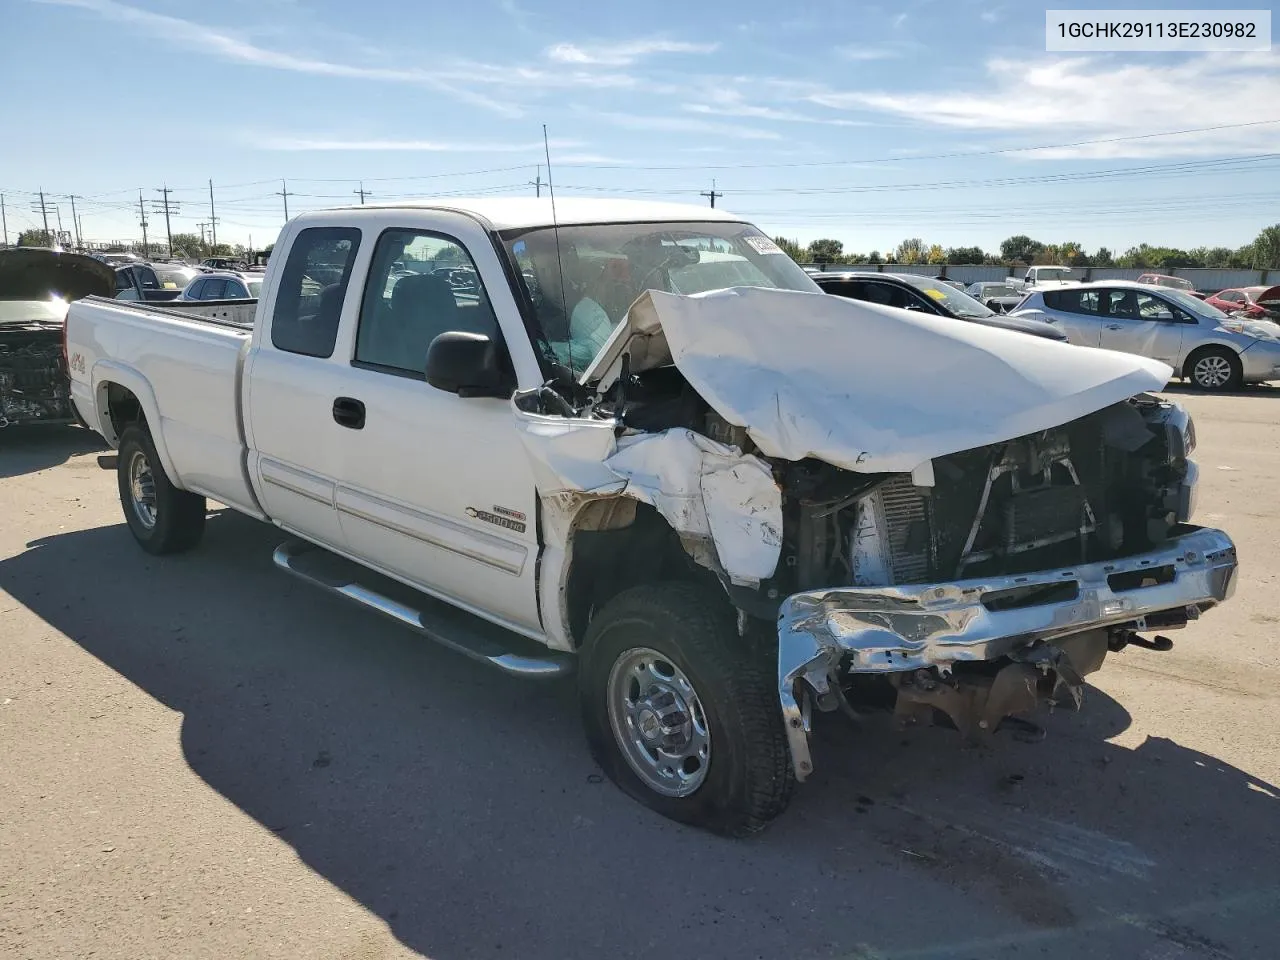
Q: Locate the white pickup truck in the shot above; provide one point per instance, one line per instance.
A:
(638, 443)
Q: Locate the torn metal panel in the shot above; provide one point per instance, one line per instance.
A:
(861, 386)
(708, 492)
(725, 505)
(892, 629)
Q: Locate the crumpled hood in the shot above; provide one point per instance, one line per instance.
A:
(861, 386)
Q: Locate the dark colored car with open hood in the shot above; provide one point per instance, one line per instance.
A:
(36, 286)
(910, 292)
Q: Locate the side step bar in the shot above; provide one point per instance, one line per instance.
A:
(456, 629)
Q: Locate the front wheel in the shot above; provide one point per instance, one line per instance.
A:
(161, 517)
(1215, 369)
(682, 713)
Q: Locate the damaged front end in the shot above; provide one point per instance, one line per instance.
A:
(1001, 586)
(972, 518)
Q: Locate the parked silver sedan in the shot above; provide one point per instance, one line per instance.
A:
(1202, 344)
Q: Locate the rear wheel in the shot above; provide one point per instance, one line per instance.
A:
(1215, 369)
(682, 713)
(162, 518)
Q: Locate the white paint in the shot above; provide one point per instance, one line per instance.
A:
(866, 387)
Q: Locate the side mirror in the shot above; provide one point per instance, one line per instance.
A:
(467, 364)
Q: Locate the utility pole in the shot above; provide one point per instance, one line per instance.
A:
(537, 183)
(213, 220)
(42, 208)
(75, 221)
(142, 212)
(363, 193)
(202, 225)
(80, 228)
(284, 192)
(712, 194)
(58, 211)
(164, 192)
(4, 220)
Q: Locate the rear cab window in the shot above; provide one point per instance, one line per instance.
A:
(312, 288)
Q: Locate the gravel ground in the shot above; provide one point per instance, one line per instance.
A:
(201, 757)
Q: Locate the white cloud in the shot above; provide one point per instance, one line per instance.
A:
(1065, 99)
(726, 101)
(227, 46)
(858, 52)
(899, 20)
(624, 53)
(669, 124)
(990, 16)
(293, 143)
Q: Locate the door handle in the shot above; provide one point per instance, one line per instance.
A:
(1114, 326)
(348, 412)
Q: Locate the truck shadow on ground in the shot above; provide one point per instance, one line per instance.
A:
(32, 447)
(1245, 390)
(461, 806)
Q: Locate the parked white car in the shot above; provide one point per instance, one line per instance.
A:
(1200, 342)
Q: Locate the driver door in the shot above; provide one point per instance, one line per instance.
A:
(1137, 322)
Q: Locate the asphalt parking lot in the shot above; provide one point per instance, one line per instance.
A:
(200, 757)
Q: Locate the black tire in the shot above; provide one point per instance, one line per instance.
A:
(1205, 374)
(748, 781)
(178, 515)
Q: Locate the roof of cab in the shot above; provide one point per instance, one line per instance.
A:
(513, 213)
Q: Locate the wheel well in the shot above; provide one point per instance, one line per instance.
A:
(606, 562)
(123, 408)
(1199, 352)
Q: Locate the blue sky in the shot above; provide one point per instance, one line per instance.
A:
(942, 120)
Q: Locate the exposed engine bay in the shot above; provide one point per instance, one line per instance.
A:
(33, 377)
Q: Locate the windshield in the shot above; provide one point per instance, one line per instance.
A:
(1194, 305)
(999, 290)
(607, 266)
(953, 301)
(1177, 283)
(255, 288)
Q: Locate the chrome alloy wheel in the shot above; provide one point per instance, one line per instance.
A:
(142, 489)
(1213, 371)
(658, 721)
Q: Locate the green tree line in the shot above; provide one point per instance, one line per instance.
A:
(1262, 254)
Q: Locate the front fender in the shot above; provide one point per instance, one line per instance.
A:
(106, 372)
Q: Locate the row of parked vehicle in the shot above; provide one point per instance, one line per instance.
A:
(1217, 342)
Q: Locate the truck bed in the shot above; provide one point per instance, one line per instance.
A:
(185, 365)
(233, 313)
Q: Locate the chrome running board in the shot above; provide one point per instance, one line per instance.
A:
(448, 626)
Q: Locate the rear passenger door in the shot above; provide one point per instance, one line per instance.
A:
(1075, 312)
(435, 488)
(296, 385)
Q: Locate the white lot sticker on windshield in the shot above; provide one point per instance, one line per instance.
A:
(762, 245)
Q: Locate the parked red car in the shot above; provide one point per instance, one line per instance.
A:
(1177, 283)
(1257, 303)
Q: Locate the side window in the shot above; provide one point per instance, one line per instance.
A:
(885, 293)
(1153, 308)
(147, 279)
(1231, 296)
(420, 285)
(1072, 301)
(193, 291)
(124, 280)
(313, 285)
(214, 289)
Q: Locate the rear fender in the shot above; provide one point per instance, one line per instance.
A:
(106, 372)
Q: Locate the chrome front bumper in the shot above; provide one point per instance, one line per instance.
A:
(905, 628)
